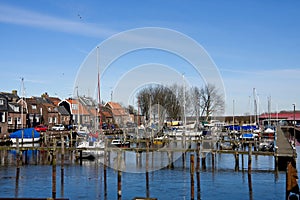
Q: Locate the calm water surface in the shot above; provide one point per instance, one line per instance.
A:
(86, 181)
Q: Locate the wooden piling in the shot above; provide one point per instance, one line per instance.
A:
(203, 161)
(213, 160)
(243, 167)
(62, 165)
(80, 157)
(54, 170)
(192, 170)
(104, 169)
(147, 170)
(236, 167)
(250, 186)
(249, 157)
(198, 157)
(119, 176)
(17, 168)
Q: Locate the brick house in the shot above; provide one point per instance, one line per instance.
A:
(12, 113)
(120, 115)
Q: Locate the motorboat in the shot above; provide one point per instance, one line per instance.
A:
(91, 149)
(120, 143)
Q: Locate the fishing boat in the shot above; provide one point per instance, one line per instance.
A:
(26, 135)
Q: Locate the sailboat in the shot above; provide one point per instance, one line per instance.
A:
(93, 145)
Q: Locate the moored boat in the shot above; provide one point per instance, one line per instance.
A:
(26, 135)
(91, 149)
(120, 143)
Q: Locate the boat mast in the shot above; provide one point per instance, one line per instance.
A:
(255, 106)
(22, 98)
(78, 116)
(99, 96)
(233, 113)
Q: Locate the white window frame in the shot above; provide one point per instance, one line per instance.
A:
(3, 117)
(9, 120)
(1, 102)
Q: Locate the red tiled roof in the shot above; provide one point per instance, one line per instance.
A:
(81, 109)
(116, 109)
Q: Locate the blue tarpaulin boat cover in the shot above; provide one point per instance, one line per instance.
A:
(27, 133)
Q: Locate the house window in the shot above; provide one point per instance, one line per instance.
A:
(16, 109)
(54, 120)
(18, 120)
(2, 117)
(9, 120)
(1, 102)
(33, 107)
(75, 106)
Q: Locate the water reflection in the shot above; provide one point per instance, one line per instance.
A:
(93, 182)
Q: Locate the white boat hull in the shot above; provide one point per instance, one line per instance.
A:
(25, 140)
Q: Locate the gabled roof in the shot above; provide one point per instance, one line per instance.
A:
(81, 110)
(116, 109)
(10, 96)
(54, 100)
(62, 110)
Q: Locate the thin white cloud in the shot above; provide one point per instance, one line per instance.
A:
(13, 15)
(257, 71)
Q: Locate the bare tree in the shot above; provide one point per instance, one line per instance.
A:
(162, 97)
(211, 101)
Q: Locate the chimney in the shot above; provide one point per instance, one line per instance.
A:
(14, 92)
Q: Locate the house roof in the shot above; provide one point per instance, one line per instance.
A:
(281, 115)
(116, 108)
(54, 100)
(10, 96)
(80, 110)
(62, 110)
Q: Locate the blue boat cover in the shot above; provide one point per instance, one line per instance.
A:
(27, 133)
(247, 135)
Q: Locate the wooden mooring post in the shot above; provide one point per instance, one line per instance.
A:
(62, 165)
(249, 158)
(104, 170)
(236, 156)
(203, 161)
(119, 176)
(54, 170)
(17, 168)
(192, 171)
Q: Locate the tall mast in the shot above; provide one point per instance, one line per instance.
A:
(98, 90)
(255, 106)
(78, 116)
(22, 93)
(233, 113)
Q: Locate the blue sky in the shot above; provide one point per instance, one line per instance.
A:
(254, 44)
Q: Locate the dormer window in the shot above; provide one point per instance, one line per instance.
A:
(1, 102)
(16, 109)
(33, 107)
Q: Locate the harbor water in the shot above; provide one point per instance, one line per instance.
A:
(86, 181)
